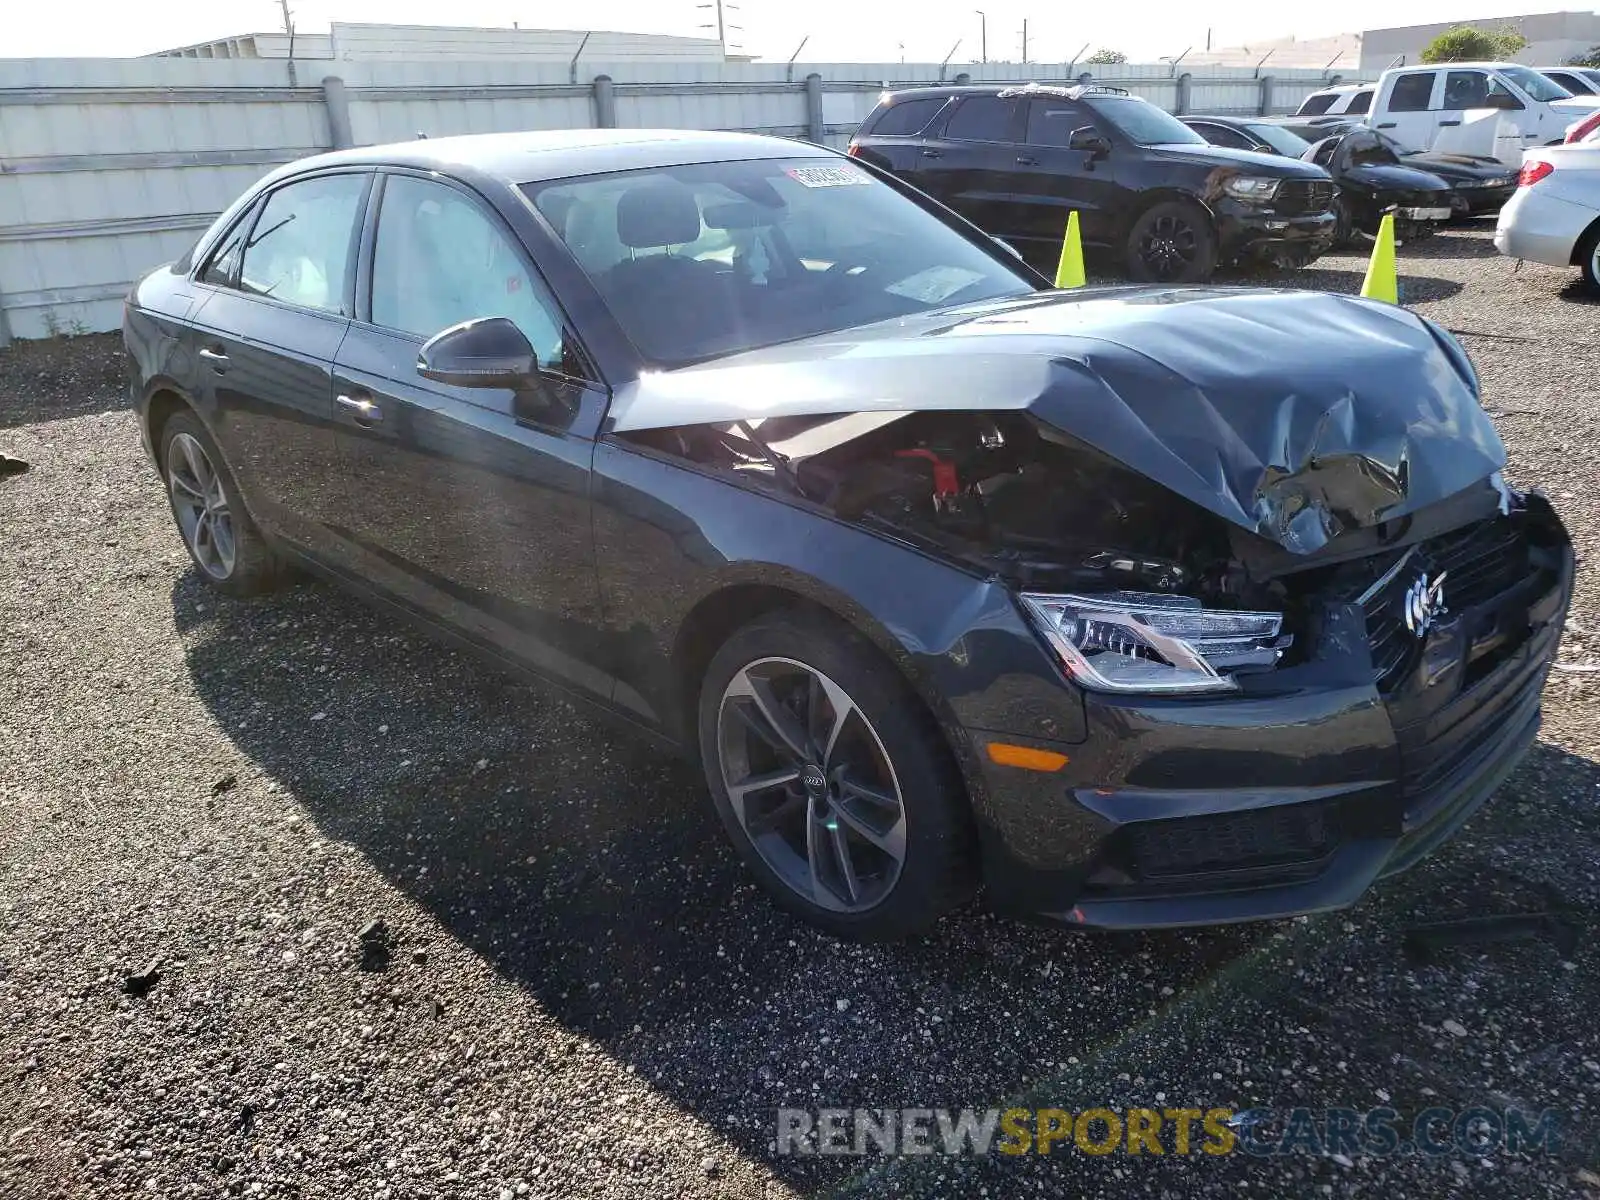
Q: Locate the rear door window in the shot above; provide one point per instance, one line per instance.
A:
(1360, 102)
(1412, 93)
(982, 119)
(907, 118)
(301, 248)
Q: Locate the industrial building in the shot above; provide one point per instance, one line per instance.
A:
(355, 42)
(1553, 38)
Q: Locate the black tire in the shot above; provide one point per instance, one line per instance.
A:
(937, 871)
(251, 568)
(1588, 256)
(1172, 242)
(1344, 224)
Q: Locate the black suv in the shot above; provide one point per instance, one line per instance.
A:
(1168, 205)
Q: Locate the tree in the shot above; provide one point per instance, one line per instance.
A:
(1104, 57)
(1591, 59)
(1464, 43)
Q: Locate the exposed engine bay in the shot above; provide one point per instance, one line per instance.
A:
(998, 491)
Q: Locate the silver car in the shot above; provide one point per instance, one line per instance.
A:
(1554, 217)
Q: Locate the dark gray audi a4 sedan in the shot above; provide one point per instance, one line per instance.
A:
(1130, 607)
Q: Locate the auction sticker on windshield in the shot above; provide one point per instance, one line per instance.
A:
(828, 176)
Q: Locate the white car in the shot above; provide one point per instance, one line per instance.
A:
(1554, 217)
(1341, 100)
(1580, 81)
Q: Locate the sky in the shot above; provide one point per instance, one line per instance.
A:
(838, 30)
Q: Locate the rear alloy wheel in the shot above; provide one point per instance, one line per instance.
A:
(1172, 242)
(833, 785)
(1589, 259)
(217, 531)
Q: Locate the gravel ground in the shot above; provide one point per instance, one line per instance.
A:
(576, 991)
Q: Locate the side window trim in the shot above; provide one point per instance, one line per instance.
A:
(253, 214)
(368, 249)
(243, 225)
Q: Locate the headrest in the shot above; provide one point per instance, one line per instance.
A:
(657, 214)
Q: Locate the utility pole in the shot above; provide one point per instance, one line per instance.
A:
(1024, 39)
(722, 26)
(983, 35)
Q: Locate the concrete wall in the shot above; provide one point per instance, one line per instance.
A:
(109, 167)
(1552, 39)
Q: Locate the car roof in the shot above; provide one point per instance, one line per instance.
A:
(1071, 91)
(534, 156)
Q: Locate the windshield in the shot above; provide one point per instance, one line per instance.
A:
(1365, 148)
(1280, 139)
(1143, 123)
(1535, 84)
(714, 258)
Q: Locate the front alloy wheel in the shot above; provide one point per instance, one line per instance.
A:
(832, 779)
(810, 784)
(1172, 242)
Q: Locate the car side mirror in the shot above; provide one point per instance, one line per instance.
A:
(487, 352)
(1503, 100)
(1090, 140)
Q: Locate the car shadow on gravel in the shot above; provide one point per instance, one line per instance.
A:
(586, 866)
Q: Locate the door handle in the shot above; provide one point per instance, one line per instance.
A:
(217, 359)
(1387, 125)
(361, 407)
(1027, 160)
(933, 154)
(1449, 122)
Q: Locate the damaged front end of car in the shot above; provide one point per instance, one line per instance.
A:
(1306, 619)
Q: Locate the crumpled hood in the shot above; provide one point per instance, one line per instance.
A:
(1295, 415)
(1391, 177)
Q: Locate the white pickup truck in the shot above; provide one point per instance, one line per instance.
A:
(1496, 110)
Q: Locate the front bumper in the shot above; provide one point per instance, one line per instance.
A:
(1247, 232)
(1476, 201)
(1424, 212)
(1293, 796)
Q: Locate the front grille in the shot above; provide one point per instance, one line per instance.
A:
(1246, 840)
(1297, 196)
(1480, 562)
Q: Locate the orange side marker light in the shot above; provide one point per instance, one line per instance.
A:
(1026, 757)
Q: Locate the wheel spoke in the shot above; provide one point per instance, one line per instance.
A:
(841, 852)
(738, 793)
(196, 460)
(841, 707)
(222, 539)
(769, 720)
(850, 788)
(891, 841)
(191, 494)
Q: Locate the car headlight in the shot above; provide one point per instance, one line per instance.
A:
(1147, 642)
(1250, 187)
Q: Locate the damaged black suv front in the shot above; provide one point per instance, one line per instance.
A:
(1252, 618)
